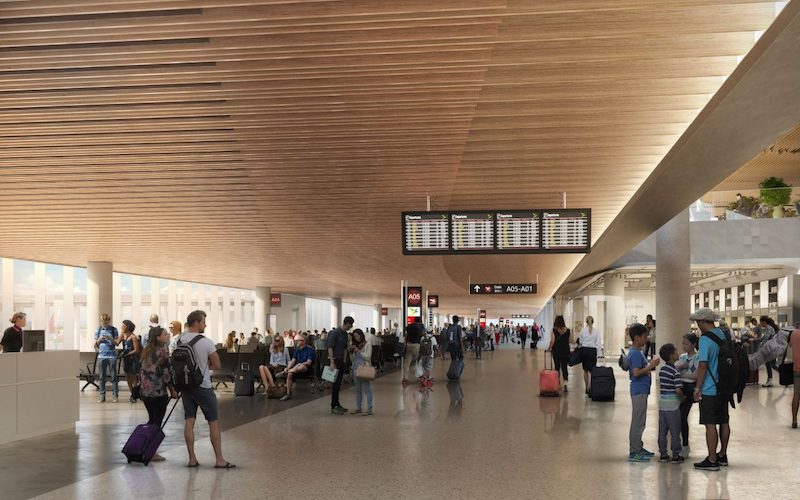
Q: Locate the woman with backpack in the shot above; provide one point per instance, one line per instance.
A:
(559, 348)
(155, 381)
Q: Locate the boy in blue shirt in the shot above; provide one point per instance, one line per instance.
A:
(640, 389)
(669, 403)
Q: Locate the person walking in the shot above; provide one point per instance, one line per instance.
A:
(155, 379)
(131, 350)
(559, 348)
(362, 356)
(203, 397)
(455, 338)
(590, 343)
(414, 333)
(768, 330)
(336, 343)
(444, 340)
(106, 340)
(523, 335)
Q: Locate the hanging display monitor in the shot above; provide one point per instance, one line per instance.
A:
(426, 232)
(565, 230)
(517, 230)
(472, 231)
(558, 230)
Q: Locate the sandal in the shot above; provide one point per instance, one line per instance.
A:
(227, 465)
(193, 466)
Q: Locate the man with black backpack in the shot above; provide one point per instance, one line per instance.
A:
(192, 361)
(715, 389)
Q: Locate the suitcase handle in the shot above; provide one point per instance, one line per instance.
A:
(245, 367)
(170, 412)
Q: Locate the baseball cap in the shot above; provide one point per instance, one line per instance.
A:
(704, 314)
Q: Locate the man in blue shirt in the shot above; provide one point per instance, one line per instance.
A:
(304, 356)
(713, 406)
(106, 340)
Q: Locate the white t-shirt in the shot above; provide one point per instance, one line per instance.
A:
(202, 350)
(590, 339)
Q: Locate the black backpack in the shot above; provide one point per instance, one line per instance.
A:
(426, 346)
(733, 368)
(184, 370)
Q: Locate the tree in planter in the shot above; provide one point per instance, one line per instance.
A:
(775, 193)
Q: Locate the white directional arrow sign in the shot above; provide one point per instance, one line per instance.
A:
(477, 288)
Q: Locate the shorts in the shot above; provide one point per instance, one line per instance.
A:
(714, 410)
(588, 358)
(203, 398)
(130, 365)
(797, 383)
(427, 363)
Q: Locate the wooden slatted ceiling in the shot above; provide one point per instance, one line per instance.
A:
(781, 159)
(275, 143)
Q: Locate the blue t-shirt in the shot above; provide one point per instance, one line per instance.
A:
(304, 354)
(107, 349)
(709, 353)
(639, 385)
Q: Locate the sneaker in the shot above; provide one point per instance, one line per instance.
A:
(131, 400)
(337, 411)
(685, 451)
(722, 460)
(101, 399)
(565, 388)
(343, 409)
(646, 453)
(767, 384)
(664, 458)
(637, 457)
(115, 399)
(367, 413)
(707, 465)
(355, 412)
(678, 460)
(794, 425)
(286, 397)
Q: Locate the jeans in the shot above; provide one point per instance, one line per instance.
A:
(455, 351)
(686, 406)
(337, 384)
(363, 385)
(478, 347)
(638, 422)
(669, 421)
(770, 365)
(109, 364)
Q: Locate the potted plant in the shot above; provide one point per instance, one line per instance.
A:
(776, 194)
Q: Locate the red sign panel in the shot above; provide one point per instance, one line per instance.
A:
(433, 301)
(482, 316)
(275, 300)
(384, 311)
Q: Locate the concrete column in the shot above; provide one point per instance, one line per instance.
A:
(336, 311)
(136, 304)
(578, 315)
(376, 317)
(672, 280)
(263, 308)
(559, 305)
(614, 328)
(99, 295)
(116, 305)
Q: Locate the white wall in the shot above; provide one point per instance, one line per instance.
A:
(291, 315)
(318, 314)
(363, 314)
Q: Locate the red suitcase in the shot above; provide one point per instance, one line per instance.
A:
(549, 383)
(753, 377)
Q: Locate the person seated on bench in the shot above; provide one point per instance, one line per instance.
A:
(304, 356)
(278, 361)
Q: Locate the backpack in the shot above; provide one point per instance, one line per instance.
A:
(184, 370)
(426, 346)
(624, 362)
(733, 367)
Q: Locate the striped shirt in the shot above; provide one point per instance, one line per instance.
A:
(669, 381)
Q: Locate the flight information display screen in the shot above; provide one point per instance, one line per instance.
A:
(565, 230)
(426, 232)
(517, 230)
(497, 232)
(472, 231)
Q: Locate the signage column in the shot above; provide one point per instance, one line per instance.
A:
(412, 302)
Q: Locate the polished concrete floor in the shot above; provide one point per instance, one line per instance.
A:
(489, 436)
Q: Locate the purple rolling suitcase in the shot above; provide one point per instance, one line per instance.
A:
(145, 440)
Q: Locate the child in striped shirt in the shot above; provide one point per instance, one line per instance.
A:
(669, 415)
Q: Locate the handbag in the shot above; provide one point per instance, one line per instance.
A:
(786, 370)
(329, 374)
(276, 392)
(365, 372)
(575, 357)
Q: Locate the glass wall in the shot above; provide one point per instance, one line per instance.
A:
(54, 298)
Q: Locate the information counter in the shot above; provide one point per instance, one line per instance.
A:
(38, 393)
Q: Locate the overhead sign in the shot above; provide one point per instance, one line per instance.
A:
(497, 231)
(494, 289)
(275, 300)
(433, 301)
(521, 316)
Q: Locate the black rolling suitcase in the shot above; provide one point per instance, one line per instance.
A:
(603, 384)
(245, 382)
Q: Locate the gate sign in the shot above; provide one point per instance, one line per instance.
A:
(413, 300)
(433, 301)
(275, 300)
(493, 289)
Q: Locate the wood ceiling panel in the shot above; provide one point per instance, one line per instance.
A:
(292, 134)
